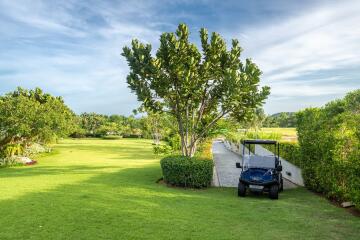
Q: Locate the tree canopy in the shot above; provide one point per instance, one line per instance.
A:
(197, 87)
(31, 115)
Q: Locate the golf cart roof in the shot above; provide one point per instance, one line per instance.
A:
(259, 141)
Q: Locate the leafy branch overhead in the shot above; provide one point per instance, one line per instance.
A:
(197, 87)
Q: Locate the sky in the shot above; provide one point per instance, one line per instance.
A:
(308, 51)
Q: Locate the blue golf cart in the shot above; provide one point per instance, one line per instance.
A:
(260, 173)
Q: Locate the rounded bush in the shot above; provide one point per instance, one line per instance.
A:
(187, 172)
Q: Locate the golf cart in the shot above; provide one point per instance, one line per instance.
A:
(260, 173)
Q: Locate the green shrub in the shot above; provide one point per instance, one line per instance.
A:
(162, 149)
(173, 139)
(8, 153)
(12, 149)
(329, 142)
(187, 172)
(78, 133)
(205, 149)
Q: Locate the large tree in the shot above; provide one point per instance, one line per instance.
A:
(197, 87)
(158, 125)
(31, 115)
(92, 122)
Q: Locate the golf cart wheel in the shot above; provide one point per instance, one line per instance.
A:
(274, 191)
(241, 189)
(281, 184)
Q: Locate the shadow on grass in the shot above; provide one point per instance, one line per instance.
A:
(120, 151)
(128, 204)
(26, 171)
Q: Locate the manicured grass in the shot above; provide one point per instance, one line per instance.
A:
(105, 189)
(283, 131)
(288, 134)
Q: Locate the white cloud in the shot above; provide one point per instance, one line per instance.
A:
(56, 45)
(323, 39)
(41, 15)
(87, 69)
(288, 89)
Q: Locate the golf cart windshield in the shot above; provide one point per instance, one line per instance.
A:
(259, 157)
(255, 161)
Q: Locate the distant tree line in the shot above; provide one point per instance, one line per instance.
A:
(99, 125)
(260, 120)
(151, 126)
(282, 119)
(32, 116)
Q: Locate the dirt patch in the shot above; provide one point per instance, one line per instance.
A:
(160, 180)
(352, 210)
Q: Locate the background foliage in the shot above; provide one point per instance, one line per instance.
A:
(330, 147)
(282, 119)
(31, 116)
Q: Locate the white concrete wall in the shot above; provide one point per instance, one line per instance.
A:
(232, 147)
(290, 171)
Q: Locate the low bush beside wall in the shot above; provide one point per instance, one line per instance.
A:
(187, 172)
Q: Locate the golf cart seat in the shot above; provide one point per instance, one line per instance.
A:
(255, 161)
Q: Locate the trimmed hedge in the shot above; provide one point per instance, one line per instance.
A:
(187, 172)
(329, 139)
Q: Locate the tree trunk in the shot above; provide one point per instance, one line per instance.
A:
(182, 137)
(193, 147)
(5, 141)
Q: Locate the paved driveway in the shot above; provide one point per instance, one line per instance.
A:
(226, 173)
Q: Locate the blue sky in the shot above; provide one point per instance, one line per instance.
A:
(309, 51)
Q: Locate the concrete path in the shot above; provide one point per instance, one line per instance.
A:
(226, 174)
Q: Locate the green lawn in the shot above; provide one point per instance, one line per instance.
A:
(105, 189)
(283, 131)
(288, 134)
